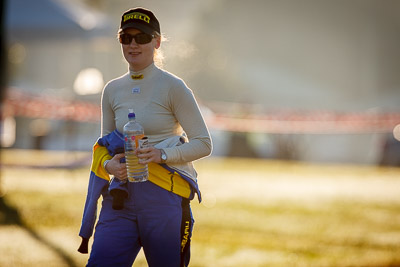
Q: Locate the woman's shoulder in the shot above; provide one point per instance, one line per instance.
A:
(177, 86)
(116, 82)
(173, 79)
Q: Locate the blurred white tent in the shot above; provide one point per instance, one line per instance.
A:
(53, 19)
(58, 48)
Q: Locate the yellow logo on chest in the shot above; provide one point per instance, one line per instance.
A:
(137, 77)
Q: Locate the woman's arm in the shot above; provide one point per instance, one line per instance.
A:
(112, 166)
(107, 113)
(193, 124)
(187, 112)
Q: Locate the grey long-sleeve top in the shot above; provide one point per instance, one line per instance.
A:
(163, 105)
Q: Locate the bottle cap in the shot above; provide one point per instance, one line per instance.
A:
(131, 114)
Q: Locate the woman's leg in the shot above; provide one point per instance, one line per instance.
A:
(116, 239)
(159, 221)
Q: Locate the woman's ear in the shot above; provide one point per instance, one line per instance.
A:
(158, 42)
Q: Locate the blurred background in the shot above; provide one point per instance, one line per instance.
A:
(283, 86)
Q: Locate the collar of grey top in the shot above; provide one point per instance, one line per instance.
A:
(142, 74)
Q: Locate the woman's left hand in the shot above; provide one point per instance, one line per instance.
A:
(148, 154)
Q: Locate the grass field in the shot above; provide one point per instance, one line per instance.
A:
(254, 213)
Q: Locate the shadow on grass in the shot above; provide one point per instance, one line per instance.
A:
(10, 216)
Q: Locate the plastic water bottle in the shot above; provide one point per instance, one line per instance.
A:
(134, 138)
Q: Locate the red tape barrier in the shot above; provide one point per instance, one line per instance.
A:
(19, 103)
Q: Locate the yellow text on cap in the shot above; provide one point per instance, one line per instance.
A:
(137, 15)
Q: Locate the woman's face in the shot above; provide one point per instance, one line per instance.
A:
(139, 56)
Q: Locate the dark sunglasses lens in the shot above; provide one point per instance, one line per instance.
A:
(125, 39)
(141, 38)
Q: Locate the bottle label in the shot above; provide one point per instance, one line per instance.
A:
(144, 142)
(137, 138)
(133, 141)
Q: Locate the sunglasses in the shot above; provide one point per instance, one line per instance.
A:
(140, 38)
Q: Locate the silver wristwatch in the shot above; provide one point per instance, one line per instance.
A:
(163, 156)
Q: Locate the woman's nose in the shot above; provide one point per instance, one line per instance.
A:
(133, 42)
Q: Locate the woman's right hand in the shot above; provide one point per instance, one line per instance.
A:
(116, 168)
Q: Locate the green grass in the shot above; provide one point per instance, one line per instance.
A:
(334, 234)
(246, 219)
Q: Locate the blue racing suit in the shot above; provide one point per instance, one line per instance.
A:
(156, 213)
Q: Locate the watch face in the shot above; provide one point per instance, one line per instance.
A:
(163, 155)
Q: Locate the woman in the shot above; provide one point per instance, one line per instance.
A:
(166, 108)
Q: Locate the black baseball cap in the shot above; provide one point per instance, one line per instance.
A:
(141, 19)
